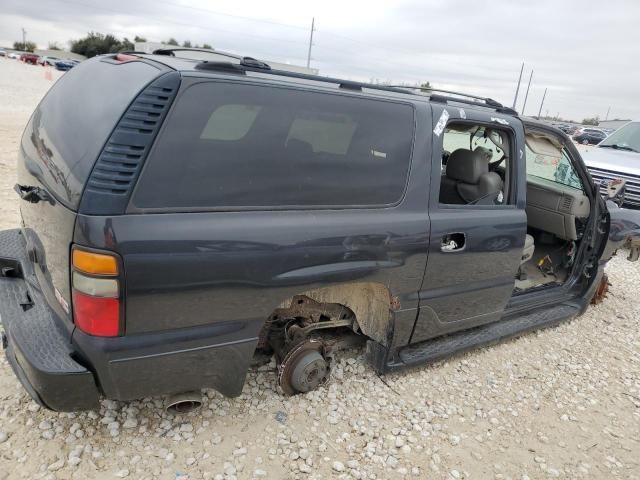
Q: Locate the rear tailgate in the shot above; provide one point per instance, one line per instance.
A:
(58, 150)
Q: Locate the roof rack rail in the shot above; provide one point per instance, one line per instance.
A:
(247, 63)
(170, 51)
(467, 98)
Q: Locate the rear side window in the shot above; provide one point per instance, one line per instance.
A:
(231, 145)
(72, 123)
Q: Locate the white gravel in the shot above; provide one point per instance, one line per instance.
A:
(561, 403)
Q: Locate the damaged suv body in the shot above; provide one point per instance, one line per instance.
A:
(183, 219)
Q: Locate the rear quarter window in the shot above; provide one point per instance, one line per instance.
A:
(72, 123)
(228, 146)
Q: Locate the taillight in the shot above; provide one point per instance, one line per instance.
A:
(95, 292)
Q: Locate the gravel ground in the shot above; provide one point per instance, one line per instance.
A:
(564, 402)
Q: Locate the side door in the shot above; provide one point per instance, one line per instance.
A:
(475, 248)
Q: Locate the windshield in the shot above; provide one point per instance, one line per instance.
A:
(627, 136)
(551, 165)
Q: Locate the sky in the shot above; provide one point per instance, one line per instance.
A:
(586, 53)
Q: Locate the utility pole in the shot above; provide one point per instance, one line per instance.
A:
(24, 38)
(542, 102)
(313, 20)
(607, 115)
(527, 94)
(515, 99)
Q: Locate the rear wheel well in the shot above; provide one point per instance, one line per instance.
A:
(367, 304)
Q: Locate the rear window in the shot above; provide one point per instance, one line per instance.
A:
(231, 145)
(70, 126)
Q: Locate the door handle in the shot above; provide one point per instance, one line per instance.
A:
(453, 242)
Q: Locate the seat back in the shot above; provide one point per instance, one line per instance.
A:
(469, 180)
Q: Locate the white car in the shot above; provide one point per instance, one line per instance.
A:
(3, 53)
(618, 157)
(14, 55)
(51, 61)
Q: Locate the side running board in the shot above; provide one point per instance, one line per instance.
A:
(444, 347)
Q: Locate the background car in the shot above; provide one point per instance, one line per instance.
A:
(51, 61)
(64, 65)
(31, 58)
(13, 55)
(618, 157)
(589, 136)
(3, 53)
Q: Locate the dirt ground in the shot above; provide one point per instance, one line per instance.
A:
(564, 402)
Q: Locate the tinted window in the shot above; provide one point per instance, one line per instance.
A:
(230, 145)
(72, 123)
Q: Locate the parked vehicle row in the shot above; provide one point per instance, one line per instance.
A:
(62, 64)
(584, 135)
(589, 136)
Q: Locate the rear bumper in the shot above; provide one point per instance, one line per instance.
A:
(64, 369)
(37, 347)
(172, 361)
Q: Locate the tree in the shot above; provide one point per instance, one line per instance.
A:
(24, 47)
(138, 39)
(173, 41)
(186, 44)
(54, 46)
(591, 121)
(207, 46)
(99, 44)
(425, 86)
(126, 45)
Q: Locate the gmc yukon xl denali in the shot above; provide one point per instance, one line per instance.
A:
(185, 219)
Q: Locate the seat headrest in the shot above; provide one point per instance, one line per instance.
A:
(466, 166)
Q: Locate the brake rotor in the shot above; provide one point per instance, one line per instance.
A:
(303, 368)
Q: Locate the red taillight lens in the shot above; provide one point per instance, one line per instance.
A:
(95, 315)
(96, 292)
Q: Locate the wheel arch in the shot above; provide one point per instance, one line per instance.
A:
(371, 302)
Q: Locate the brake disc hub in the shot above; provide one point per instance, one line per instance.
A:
(303, 368)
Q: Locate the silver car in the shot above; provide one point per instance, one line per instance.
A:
(618, 156)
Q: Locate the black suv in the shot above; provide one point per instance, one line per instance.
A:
(182, 219)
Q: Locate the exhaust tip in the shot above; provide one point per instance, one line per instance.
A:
(182, 403)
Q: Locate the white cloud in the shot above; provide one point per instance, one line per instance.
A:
(583, 51)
